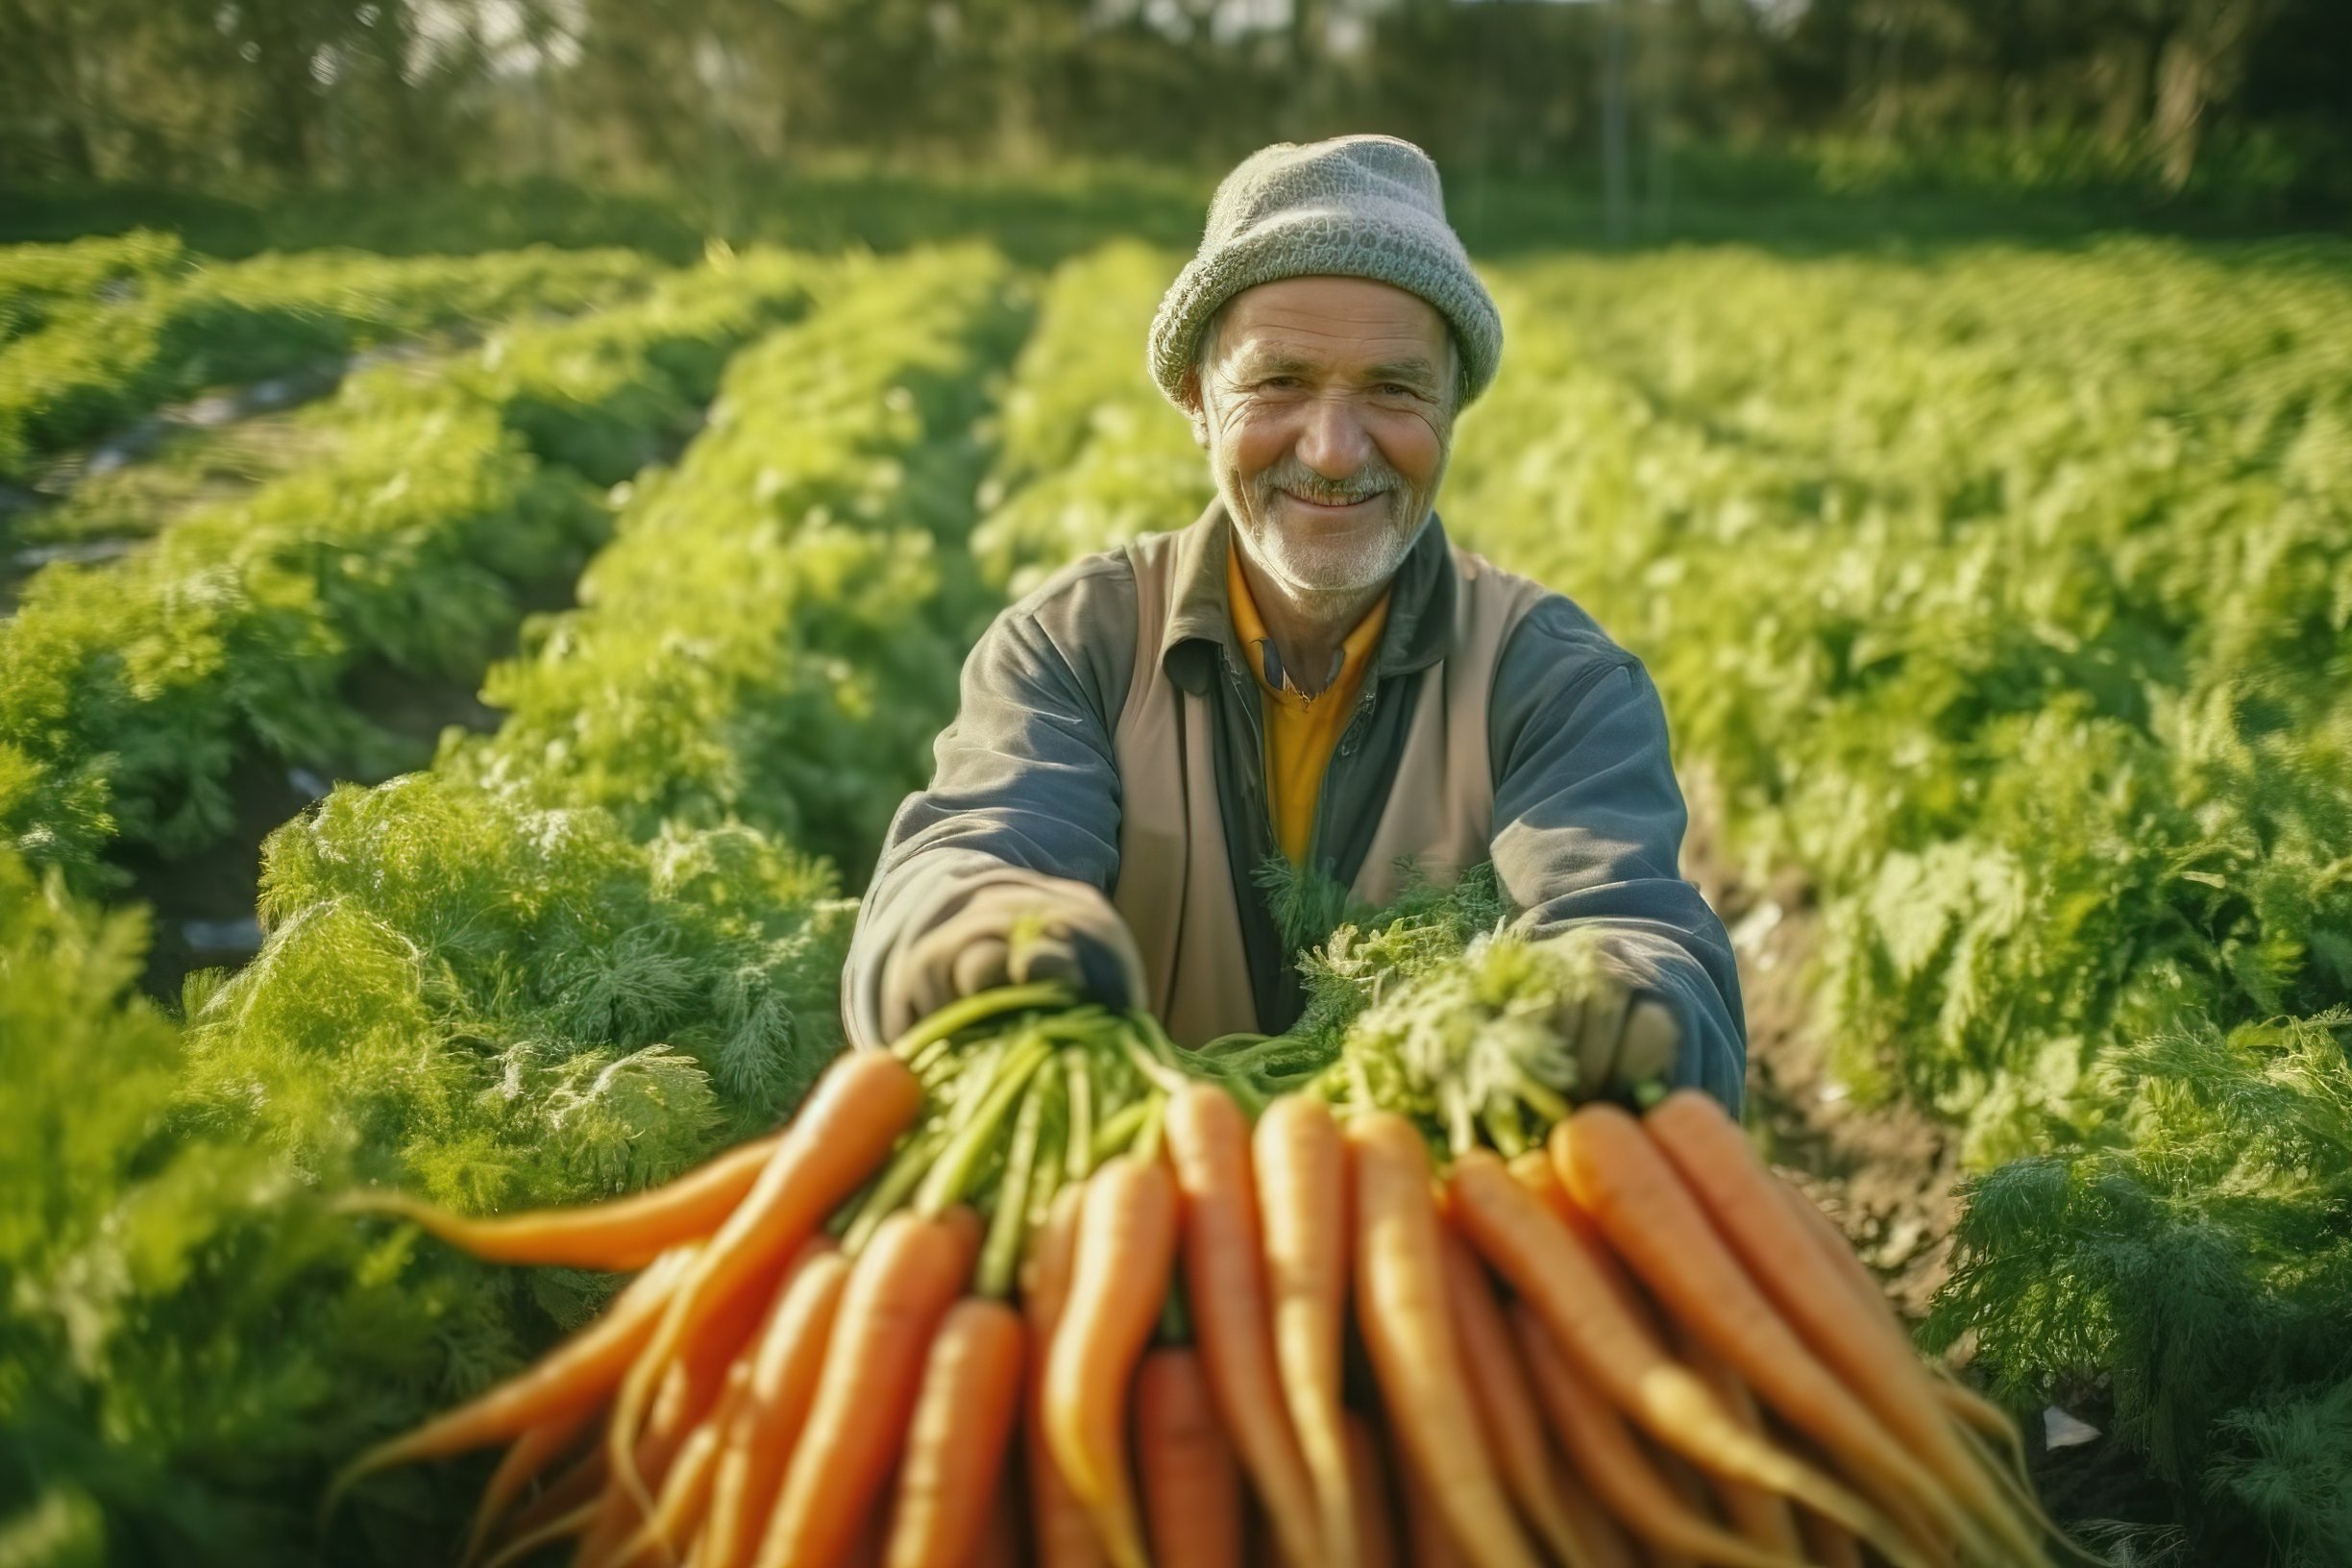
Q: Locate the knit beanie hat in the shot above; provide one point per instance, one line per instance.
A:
(1354, 207)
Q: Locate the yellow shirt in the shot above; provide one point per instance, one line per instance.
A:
(1301, 731)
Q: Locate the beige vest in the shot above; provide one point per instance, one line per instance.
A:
(1175, 884)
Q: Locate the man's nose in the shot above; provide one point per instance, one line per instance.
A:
(1335, 443)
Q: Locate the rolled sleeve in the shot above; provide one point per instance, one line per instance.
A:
(1025, 783)
(1588, 831)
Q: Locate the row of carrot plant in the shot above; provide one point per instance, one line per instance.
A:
(425, 494)
(97, 333)
(528, 976)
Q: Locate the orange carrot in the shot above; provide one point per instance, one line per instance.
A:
(785, 1368)
(1533, 1171)
(618, 1237)
(679, 1512)
(1225, 1278)
(569, 1382)
(1302, 1196)
(1376, 1541)
(1554, 1273)
(1428, 1541)
(1192, 1483)
(853, 1116)
(866, 1545)
(1000, 1544)
(1118, 1282)
(1991, 1426)
(955, 1446)
(1864, 1347)
(1612, 1169)
(1401, 1311)
(1605, 1455)
(530, 1542)
(1506, 1415)
(1760, 1516)
(1828, 1543)
(897, 1292)
(690, 1390)
(1065, 1536)
(1604, 1541)
(576, 1487)
(532, 1451)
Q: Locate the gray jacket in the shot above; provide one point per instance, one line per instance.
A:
(1588, 818)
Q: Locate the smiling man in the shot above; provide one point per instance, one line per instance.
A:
(1309, 672)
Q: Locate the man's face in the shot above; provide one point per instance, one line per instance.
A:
(1325, 406)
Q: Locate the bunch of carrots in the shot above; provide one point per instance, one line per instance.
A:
(1034, 1286)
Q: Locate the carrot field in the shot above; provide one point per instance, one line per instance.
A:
(563, 627)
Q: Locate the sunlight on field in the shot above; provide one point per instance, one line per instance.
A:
(2001, 596)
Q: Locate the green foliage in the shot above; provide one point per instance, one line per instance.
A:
(189, 1334)
(2196, 1253)
(37, 280)
(775, 633)
(500, 1006)
(127, 691)
(1093, 454)
(126, 340)
(1350, 956)
(2005, 594)
(494, 997)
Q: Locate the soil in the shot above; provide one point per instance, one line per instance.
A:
(222, 444)
(204, 902)
(1883, 1172)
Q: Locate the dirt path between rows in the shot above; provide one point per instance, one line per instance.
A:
(1883, 1172)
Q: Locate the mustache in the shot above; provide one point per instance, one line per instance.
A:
(1374, 478)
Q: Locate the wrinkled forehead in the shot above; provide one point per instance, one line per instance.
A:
(1336, 324)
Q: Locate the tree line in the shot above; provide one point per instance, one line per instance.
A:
(205, 91)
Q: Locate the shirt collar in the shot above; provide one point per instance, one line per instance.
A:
(1418, 633)
(1348, 659)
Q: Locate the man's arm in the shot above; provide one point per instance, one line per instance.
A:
(1022, 811)
(1589, 832)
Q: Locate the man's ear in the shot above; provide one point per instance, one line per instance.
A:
(1189, 394)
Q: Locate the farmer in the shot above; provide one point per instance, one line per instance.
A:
(1309, 672)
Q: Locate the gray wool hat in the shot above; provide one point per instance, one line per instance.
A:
(1354, 207)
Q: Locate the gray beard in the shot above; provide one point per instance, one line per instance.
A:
(1322, 568)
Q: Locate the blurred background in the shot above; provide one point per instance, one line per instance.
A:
(1645, 110)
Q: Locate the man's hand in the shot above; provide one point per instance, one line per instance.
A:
(1619, 1038)
(1010, 934)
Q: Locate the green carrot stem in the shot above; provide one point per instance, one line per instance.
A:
(1046, 1173)
(1117, 1132)
(1087, 1025)
(1078, 1153)
(1146, 1145)
(1504, 1128)
(1222, 1045)
(1462, 1132)
(1002, 1249)
(1155, 1072)
(953, 1174)
(967, 1011)
(905, 1172)
(971, 1082)
(925, 1062)
(1549, 1104)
